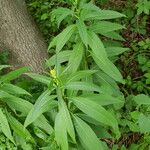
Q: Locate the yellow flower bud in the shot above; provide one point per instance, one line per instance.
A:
(53, 73)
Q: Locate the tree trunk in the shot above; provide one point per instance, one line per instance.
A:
(19, 34)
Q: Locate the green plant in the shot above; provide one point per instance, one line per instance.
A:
(41, 11)
(13, 110)
(81, 87)
(143, 6)
(137, 78)
(4, 57)
(134, 121)
(77, 104)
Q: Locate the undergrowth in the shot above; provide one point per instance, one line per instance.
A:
(95, 91)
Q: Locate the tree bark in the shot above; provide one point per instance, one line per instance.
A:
(19, 34)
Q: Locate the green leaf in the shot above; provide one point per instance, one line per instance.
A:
(89, 7)
(61, 39)
(144, 123)
(105, 26)
(114, 51)
(142, 99)
(61, 13)
(109, 68)
(147, 75)
(101, 15)
(148, 81)
(16, 103)
(52, 43)
(97, 46)
(82, 31)
(12, 89)
(39, 133)
(64, 36)
(107, 82)
(142, 59)
(100, 57)
(24, 107)
(44, 16)
(113, 35)
(62, 56)
(86, 135)
(75, 58)
(96, 111)
(85, 86)
(80, 74)
(13, 74)
(103, 99)
(66, 116)
(5, 126)
(43, 104)
(40, 78)
(61, 132)
(88, 119)
(43, 123)
(19, 128)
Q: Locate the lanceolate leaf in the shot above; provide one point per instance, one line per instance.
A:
(90, 6)
(109, 68)
(113, 35)
(100, 57)
(61, 132)
(66, 116)
(95, 111)
(13, 74)
(64, 36)
(43, 104)
(61, 14)
(4, 126)
(114, 51)
(12, 89)
(19, 128)
(40, 78)
(43, 123)
(82, 31)
(52, 43)
(101, 15)
(85, 86)
(16, 103)
(105, 80)
(103, 99)
(68, 121)
(75, 58)
(62, 56)
(105, 26)
(24, 107)
(97, 46)
(86, 135)
(80, 74)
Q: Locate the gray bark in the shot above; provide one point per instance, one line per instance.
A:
(19, 34)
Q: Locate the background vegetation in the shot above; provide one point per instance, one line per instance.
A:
(94, 93)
